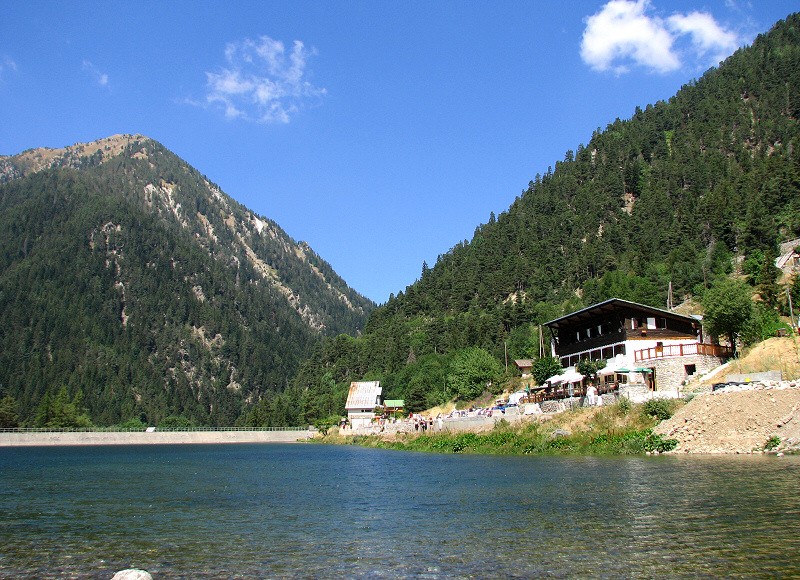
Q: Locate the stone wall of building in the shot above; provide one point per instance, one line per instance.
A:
(671, 372)
(636, 392)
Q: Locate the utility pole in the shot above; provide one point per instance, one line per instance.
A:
(670, 304)
(541, 342)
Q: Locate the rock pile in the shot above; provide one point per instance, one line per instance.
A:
(747, 418)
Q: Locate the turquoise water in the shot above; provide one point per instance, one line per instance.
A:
(306, 511)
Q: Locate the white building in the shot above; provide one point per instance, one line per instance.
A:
(362, 399)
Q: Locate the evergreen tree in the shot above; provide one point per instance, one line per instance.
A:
(728, 308)
(9, 418)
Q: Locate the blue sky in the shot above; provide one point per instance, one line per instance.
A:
(381, 133)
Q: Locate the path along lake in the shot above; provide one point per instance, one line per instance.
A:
(318, 511)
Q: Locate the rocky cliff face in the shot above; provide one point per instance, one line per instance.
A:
(130, 277)
(200, 208)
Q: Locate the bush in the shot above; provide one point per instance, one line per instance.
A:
(326, 423)
(657, 443)
(772, 443)
(660, 409)
(175, 422)
(133, 425)
(463, 441)
(763, 324)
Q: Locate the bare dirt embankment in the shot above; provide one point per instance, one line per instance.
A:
(744, 419)
(736, 422)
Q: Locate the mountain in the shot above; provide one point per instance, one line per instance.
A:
(134, 288)
(676, 196)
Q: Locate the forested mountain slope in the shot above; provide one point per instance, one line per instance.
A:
(133, 287)
(672, 195)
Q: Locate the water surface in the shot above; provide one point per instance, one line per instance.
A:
(299, 511)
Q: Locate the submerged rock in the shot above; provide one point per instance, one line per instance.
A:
(132, 574)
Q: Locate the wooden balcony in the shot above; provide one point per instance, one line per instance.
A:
(562, 392)
(675, 350)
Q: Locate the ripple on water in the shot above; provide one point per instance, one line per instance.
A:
(298, 511)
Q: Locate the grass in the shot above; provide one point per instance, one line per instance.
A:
(619, 429)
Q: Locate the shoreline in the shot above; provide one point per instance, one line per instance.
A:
(51, 439)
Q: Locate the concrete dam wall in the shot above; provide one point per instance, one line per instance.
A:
(35, 438)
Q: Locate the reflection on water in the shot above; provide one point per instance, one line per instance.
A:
(307, 510)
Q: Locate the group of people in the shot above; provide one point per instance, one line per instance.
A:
(592, 398)
(424, 423)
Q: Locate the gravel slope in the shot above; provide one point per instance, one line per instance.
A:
(738, 420)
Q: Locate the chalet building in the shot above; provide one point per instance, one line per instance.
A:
(639, 343)
(525, 366)
(788, 261)
(393, 406)
(362, 398)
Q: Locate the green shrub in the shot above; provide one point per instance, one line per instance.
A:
(498, 438)
(175, 423)
(464, 441)
(660, 409)
(657, 443)
(502, 424)
(772, 443)
(134, 424)
(325, 423)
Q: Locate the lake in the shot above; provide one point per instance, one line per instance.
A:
(305, 510)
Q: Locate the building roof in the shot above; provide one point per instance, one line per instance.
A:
(363, 395)
(609, 306)
(394, 403)
(524, 363)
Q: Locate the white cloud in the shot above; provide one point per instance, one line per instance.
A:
(262, 82)
(6, 64)
(100, 78)
(707, 36)
(622, 34)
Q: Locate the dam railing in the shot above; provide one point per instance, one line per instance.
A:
(145, 430)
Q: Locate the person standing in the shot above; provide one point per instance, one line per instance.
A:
(591, 395)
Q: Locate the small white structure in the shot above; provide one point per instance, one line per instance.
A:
(789, 260)
(525, 366)
(362, 399)
(515, 397)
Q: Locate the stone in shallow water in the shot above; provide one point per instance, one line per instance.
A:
(132, 574)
